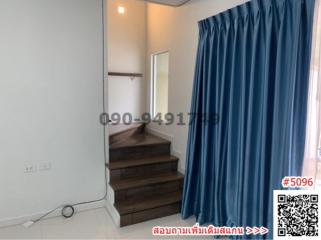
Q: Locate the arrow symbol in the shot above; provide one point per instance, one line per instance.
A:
(256, 230)
(264, 230)
(249, 230)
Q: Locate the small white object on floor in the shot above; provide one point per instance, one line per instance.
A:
(28, 224)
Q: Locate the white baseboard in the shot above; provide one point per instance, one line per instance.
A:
(113, 213)
(57, 213)
(160, 134)
(109, 205)
(110, 195)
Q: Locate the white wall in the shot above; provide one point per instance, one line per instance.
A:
(127, 53)
(50, 100)
(176, 30)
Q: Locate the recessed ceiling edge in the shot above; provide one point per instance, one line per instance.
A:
(173, 3)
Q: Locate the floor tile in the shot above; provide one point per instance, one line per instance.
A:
(20, 232)
(94, 224)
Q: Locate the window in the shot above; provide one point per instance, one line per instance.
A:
(159, 91)
(312, 161)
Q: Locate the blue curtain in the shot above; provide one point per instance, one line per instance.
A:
(252, 70)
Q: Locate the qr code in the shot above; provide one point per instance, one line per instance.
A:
(296, 214)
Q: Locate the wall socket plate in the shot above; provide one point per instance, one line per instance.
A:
(44, 166)
(30, 168)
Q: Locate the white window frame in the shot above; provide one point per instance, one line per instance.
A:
(153, 82)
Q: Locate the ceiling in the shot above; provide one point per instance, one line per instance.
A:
(175, 3)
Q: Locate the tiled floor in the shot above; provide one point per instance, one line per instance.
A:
(95, 224)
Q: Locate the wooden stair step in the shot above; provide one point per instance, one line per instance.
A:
(145, 181)
(149, 214)
(120, 132)
(121, 164)
(156, 201)
(148, 191)
(139, 146)
(115, 130)
(139, 140)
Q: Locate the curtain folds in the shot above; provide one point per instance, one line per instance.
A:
(252, 70)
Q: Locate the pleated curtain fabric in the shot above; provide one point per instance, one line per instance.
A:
(252, 70)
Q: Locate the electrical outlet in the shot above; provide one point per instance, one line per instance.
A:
(45, 166)
(30, 168)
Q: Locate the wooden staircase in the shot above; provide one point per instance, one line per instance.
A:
(144, 176)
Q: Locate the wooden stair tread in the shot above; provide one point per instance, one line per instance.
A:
(139, 140)
(121, 164)
(128, 207)
(122, 128)
(142, 181)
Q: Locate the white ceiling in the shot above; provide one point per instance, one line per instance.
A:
(169, 2)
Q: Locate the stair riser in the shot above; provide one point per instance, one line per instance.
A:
(148, 170)
(139, 152)
(145, 192)
(146, 215)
